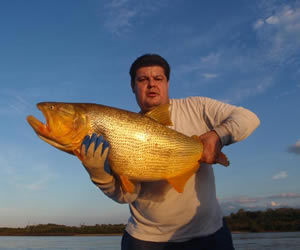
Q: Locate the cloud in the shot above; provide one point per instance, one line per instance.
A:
(279, 34)
(13, 103)
(203, 63)
(258, 24)
(272, 20)
(280, 175)
(251, 58)
(260, 202)
(274, 204)
(15, 176)
(120, 16)
(249, 89)
(40, 183)
(285, 196)
(295, 148)
(209, 75)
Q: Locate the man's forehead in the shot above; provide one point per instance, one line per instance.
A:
(155, 70)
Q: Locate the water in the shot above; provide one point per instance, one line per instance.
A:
(278, 241)
(245, 241)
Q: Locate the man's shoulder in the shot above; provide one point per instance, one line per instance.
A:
(189, 100)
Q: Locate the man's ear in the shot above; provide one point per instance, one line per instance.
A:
(133, 87)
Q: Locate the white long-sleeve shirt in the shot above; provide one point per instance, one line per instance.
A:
(158, 212)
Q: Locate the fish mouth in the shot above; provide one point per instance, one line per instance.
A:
(42, 129)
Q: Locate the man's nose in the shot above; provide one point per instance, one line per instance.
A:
(151, 83)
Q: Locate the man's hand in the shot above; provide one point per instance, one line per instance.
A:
(211, 147)
(94, 156)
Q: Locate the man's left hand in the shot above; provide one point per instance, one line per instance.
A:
(211, 147)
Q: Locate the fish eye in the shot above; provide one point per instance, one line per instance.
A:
(52, 107)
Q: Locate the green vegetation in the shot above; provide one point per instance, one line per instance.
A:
(277, 220)
(54, 230)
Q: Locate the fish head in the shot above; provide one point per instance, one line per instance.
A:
(65, 127)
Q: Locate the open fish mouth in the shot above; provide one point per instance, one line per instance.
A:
(42, 129)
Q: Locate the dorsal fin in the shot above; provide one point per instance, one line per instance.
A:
(161, 114)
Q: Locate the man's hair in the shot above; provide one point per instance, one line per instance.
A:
(148, 60)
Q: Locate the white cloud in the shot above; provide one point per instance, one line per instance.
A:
(121, 15)
(295, 148)
(260, 202)
(258, 24)
(240, 93)
(274, 204)
(285, 196)
(280, 34)
(212, 59)
(272, 20)
(15, 176)
(280, 175)
(209, 75)
(13, 103)
(40, 183)
(206, 62)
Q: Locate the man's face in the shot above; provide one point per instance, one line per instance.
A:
(151, 87)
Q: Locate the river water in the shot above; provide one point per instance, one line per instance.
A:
(244, 241)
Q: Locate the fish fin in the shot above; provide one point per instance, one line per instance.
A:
(222, 159)
(161, 114)
(179, 182)
(77, 153)
(195, 137)
(127, 185)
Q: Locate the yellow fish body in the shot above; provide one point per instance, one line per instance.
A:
(142, 148)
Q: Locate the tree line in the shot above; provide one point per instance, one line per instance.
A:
(271, 220)
(56, 230)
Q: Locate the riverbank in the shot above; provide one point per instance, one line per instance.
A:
(277, 220)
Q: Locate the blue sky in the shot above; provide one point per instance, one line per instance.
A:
(241, 52)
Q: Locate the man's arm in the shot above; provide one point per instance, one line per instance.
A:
(94, 156)
(228, 123)
(231, 123)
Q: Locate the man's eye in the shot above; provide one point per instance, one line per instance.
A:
(141, 79)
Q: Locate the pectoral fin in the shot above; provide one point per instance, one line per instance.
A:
(179, 182)
(127, 185)
(77, 153)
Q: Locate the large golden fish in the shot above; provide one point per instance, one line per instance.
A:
(142, 147)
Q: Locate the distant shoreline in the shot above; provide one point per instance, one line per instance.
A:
(111, 234)
(277, 220)
(57, 234)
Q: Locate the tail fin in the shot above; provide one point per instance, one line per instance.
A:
(222, 159)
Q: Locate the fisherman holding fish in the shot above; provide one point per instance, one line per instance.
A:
(161, 217)
(159, 161)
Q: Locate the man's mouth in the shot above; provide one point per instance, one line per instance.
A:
(152, 94)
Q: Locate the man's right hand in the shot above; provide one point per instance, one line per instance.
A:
(94, 155)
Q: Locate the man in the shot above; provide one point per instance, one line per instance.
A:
(162, 218)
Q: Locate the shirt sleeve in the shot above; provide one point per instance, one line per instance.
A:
(231, 123)
(113, 190)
